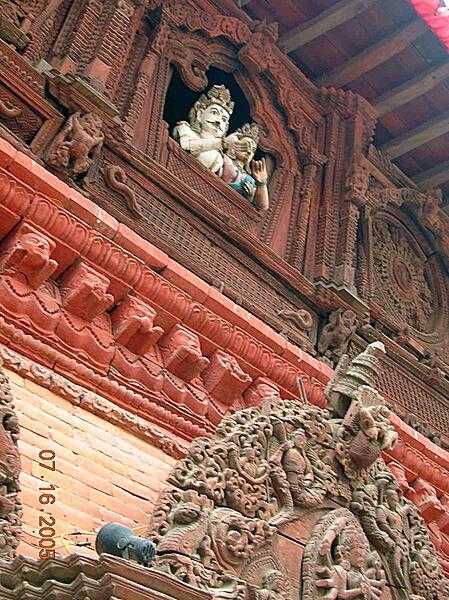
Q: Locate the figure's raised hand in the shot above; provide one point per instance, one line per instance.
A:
(259, 171)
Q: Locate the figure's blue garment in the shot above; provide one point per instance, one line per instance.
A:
(238, 186)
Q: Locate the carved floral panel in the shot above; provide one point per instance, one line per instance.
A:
(407, 281)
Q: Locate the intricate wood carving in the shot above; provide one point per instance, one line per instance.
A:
(279, 465)
(77, 146)
(10, 504)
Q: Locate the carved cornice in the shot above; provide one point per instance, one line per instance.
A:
(49, 324)
(420, 457)
(88, 576)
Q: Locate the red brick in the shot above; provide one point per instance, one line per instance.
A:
(30, 481)
(62, 414)
(78, 520)
(108, 516)
(69, 499)
(151, 475)
(26, 463)
(63, 440)
(33, 439)
(93, 468)
(39, 427)
(27, 450)
(142, 491)
(94, 481)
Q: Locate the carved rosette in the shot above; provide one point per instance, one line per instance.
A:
(407, 282)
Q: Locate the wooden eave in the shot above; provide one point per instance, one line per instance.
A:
(387, 53)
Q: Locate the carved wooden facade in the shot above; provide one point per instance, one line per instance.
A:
(345, 230)
(97, 195)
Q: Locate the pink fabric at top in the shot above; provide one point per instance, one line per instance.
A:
(437, 21)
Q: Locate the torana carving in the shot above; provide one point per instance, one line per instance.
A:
(287, 467)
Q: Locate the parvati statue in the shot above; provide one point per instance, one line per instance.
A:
(247, 176)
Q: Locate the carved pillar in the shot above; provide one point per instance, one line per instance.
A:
(114, 46)
(145, 76)
(351, 124)
(327, 213)
(78, 37)
(353, 199)
(313, 161)
(156, 143)
(143, 120)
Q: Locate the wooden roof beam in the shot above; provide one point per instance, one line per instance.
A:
(375, 55)
(433, 177)
(417, 137)
(342, 11)
(408, 91)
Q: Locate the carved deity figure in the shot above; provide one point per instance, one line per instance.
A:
(293, 475)
(231, 157)
(204, 135)
(246, 176)
(337, 334)
(76, 147)
(273, 587)
(339, 559)
(392, 520)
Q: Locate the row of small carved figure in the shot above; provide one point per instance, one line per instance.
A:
(79, 310)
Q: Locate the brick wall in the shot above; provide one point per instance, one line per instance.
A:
(102, 472)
